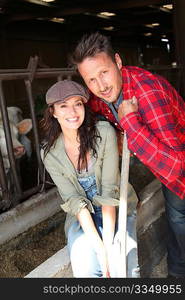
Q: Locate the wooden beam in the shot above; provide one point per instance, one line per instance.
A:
(39, 2)
(87, 7)
(99, 6)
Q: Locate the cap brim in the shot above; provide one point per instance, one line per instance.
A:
(84, 98)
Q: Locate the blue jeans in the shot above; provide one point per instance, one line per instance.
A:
(83, 257)
(175, 212)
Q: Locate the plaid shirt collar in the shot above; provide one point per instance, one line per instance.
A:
(114, 107)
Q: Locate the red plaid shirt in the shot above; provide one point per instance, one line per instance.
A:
(156, 133)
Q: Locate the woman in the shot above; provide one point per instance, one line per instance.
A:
(82, 158)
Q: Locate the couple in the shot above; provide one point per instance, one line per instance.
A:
(152, 113)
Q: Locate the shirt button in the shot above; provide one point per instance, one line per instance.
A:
(109, 111)
(134, 153)
(116, 124)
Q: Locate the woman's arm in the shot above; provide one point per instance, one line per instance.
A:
(75, 203)
(87, 224)
(110, 167)
(109, 220)
(71, 200)
(110, 188)
(110, 185)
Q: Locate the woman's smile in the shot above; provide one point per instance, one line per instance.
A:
(70, 113)
(72, 119)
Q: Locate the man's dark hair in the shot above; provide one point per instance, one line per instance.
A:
(90, 45)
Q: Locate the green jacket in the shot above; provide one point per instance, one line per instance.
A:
(106, 168)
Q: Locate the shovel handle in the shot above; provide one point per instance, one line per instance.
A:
(122, 217)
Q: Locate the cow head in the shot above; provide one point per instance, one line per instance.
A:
(17, 131)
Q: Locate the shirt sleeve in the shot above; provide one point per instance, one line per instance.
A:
(152, 135)
(110, 185)
(71, 200)
(110, 180)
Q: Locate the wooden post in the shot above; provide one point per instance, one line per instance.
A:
(179, 29)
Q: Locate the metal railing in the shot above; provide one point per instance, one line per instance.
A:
(28, 76)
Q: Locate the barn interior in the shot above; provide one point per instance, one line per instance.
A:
(143, 31)
(146, 33)
(39, 35)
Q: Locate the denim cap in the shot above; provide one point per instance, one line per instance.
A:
(65, 89)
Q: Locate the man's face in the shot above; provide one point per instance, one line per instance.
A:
(102, 75)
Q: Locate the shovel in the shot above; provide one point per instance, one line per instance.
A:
(125, 261)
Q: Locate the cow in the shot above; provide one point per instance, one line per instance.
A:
(19, 127)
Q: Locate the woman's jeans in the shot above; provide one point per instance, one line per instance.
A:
(175, 212)
(83, 257)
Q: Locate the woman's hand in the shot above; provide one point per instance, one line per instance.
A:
(87, 224)
(109, 220)
(103, 260)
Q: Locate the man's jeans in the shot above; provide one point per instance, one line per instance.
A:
(175, 212)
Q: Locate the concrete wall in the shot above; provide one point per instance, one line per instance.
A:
(28, 214)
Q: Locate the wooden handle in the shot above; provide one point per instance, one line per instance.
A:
(122, 217)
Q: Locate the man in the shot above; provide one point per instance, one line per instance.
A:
(152, 113)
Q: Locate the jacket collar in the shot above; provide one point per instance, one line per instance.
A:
(58, 151)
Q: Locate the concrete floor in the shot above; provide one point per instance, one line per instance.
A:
(33, 247)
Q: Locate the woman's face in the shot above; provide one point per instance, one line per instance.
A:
(70, 113)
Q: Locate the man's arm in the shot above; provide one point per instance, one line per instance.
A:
(155, 143)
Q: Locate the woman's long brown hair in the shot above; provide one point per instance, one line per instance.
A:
(87, 133)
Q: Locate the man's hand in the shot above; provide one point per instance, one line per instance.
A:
(127, 106)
